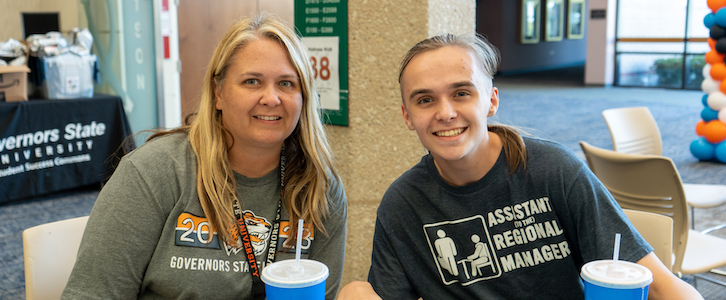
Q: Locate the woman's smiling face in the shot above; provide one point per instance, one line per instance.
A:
(261, 96)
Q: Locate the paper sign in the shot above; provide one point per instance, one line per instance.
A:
(323, 52)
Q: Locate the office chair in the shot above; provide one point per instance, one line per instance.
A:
(658, 232)
(634, 130)
(651, 183)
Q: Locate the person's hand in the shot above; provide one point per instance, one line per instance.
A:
(358, 290)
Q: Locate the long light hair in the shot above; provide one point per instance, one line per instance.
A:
(488, 58)
(310, 172)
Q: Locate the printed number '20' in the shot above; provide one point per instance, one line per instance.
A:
(324, 70)
(200, 230)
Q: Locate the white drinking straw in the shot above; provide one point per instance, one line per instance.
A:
(616, 251)
(298, 245)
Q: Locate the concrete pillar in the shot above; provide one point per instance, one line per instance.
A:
(377, 147)
(600, 60)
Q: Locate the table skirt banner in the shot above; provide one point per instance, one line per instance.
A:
(54, 145)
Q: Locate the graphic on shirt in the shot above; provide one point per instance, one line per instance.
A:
(259, 230)
(307, 240)
(193, 231)
(480, 258)
(510, 238)
(527, 234)
(446, 250)
(459, 251)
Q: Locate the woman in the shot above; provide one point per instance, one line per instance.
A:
(182, 215)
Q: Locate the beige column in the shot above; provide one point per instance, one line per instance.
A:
(377, 147)
(600, 62)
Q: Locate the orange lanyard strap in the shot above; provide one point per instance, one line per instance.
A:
(245, 236)
(247, 243)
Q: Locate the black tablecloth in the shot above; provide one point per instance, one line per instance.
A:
(53, 145)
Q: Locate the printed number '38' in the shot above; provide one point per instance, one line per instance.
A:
(324, 67)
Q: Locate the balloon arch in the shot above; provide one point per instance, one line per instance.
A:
(711, 143)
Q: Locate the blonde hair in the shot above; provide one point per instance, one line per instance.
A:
(310, 171)
(488, 58)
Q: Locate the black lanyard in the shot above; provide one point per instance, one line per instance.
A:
(258, 287)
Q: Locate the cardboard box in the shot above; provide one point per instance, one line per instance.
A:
(13, 83)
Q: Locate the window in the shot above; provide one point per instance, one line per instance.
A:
(661, 43)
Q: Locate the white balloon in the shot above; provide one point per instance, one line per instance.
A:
(709, 85)
(707, 71)
(722, 115)
(716, 100)
(707, 76)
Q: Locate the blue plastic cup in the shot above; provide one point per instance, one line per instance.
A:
(285, 281)
(604, 280)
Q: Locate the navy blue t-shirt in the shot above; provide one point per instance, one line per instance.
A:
(520, 235)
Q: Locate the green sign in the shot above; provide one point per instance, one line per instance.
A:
(323, 25)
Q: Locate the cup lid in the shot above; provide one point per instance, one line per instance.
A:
(626, 275)
(284, 274)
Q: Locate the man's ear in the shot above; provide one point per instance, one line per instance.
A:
(406, 118)
(494, 102)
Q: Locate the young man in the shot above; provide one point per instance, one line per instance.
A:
(489, 213)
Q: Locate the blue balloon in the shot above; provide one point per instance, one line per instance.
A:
(708, 114)
(709, 20)
(704, 100)
(720, 17)
(702, 149)
(721, 152)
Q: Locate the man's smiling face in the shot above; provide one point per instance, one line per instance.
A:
(447, 98)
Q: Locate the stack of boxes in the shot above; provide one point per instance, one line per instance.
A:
(48, 66)
(62, 70)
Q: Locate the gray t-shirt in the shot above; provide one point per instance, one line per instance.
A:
(147, 236)
(507, 236)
